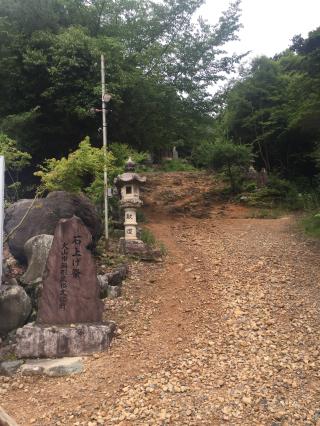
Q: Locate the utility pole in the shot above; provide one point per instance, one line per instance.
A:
(105, 99)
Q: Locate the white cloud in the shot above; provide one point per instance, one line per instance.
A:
(268, 25)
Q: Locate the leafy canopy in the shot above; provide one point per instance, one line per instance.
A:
(160, 65)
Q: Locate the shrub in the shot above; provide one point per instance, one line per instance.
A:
(229, 158)
(15, 161)
(201, 154)
(81, 171)
(147, 237)
(176, 165)
(312, 225)
(121, 152)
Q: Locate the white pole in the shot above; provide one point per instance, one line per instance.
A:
(104, 132)
(2, 170)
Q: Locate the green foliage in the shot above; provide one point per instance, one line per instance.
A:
(122, 152)
(312, 225)
(266, 213)
(225, 156)
(280, 194)
(176, 165)
(81, 171)
(201, 153)
(15, 159)
(147, 237)
(160, 64)
(275, 108)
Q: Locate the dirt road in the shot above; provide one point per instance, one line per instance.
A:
(225, 331)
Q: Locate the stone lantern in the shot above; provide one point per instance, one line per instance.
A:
(128, 185)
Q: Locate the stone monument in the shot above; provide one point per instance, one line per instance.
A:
(263, 177)
(70, 292)
(70, 312)
(175, 154)
(128, 185)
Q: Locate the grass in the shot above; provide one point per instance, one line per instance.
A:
(148, 238)
(274, 213)
(177, 166)
(311, 225)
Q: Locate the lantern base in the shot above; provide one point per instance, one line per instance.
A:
(138, 249)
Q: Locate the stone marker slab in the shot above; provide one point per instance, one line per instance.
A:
(35, 341)
(53, 367)
(70, 291)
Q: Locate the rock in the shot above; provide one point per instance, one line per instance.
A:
(103, 284)
(70, 291)
(9, 368)
(36, 250)
(5, 270)
(112, 279)
(116, 276)
(138, 248)
(113, 291)
(34, 341)
(44, 216)
(5, 419)
(53, 367)
(15, 308)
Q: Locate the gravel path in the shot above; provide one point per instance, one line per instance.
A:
(225, 332)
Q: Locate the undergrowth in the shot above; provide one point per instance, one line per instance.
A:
(177, 165)
(148, 238)
(311, 225)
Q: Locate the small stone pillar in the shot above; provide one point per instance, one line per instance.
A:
(128, 185)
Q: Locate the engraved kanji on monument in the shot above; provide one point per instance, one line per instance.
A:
(70, 291)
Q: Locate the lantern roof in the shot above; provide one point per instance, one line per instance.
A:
(127, 177)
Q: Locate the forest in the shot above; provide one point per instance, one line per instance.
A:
(163, 66)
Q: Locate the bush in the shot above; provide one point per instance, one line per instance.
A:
(15, 161)
(227, 157)
(201, 154)
(280, 186)
(147, 237)
(176, 165)
(121, 152)
(312, 225)
(81, 171)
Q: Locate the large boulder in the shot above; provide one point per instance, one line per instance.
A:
(15, 308)
(44, 217)
(36, 250)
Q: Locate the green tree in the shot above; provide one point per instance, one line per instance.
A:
(15, 161)
(161, 64)
(224, 156)
(275, 108)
